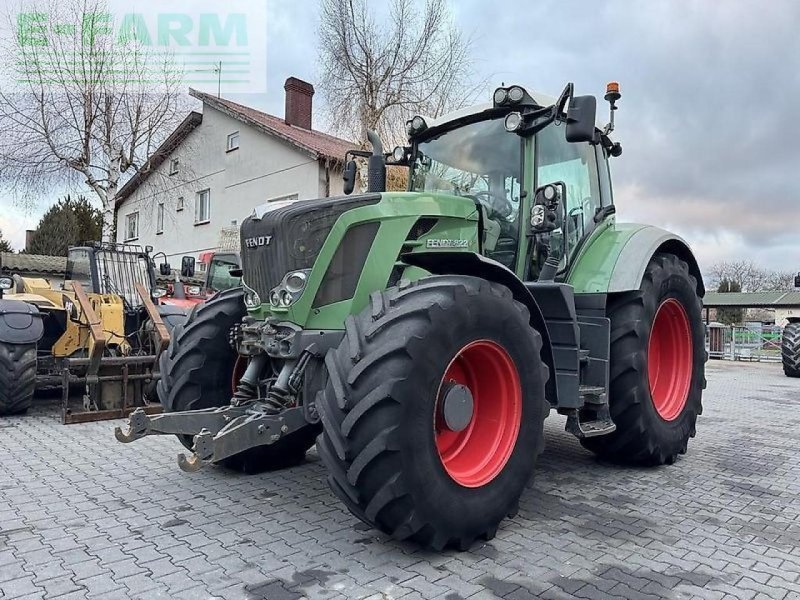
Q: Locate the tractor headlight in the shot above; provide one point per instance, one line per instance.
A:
(513, 121)
(159, 292)
(289, 289)
(515, 94)
(537, 216)
(286, 298)
(296, 281)
(416, 125)
(6, 283)
(399, 153)
(251, 298)
(500, 96)
(194, 290)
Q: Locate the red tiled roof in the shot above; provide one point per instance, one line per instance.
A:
(316, 143)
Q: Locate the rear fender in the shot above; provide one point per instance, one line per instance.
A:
(476, 265)
(20, 322)
(615, 258)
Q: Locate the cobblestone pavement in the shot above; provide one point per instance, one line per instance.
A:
(83, 516)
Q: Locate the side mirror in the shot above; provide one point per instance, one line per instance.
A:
(797, 280)
(349, 176)
(581, 117)
(187, 266)
(546, 203)
(164, 268)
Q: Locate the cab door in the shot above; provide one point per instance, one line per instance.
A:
(576, 165)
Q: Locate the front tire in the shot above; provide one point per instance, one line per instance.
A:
(400, 453)
(171, 316)
(790, 350)
(657, 367)
(17, 377)
(198, 371)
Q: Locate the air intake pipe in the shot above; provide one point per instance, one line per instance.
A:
(376, 164)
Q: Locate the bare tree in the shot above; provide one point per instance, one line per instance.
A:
(374, 76)
(88, 104)
(750, 276)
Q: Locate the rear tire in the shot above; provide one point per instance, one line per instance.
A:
(17, 377)
(390, 458)
(790, 350)
(197, 372)
(657, 367)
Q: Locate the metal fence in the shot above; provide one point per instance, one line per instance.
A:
(751, 342)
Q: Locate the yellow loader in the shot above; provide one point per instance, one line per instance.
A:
(101, 333)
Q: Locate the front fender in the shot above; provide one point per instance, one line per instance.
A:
(614, 259)
(20, 322)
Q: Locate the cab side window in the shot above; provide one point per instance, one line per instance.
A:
(606, 195)
(576, 165)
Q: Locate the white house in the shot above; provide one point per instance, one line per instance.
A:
(217, 166)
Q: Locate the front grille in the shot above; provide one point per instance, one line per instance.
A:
(289, 238)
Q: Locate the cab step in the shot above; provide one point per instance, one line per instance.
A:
(596, 394)
(600, 425)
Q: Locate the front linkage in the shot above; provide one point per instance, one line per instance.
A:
(262, 410)
(224, 432)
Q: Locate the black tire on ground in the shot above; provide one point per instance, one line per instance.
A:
(643, 436)
(197, 371)
(379, 442)
(172, 316)
(17, 377)
(790, 350)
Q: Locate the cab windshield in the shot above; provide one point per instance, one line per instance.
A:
(481, 161)
(219, 273)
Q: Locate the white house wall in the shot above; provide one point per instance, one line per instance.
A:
(261, 169)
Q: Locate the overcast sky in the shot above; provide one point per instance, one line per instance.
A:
(707, 120)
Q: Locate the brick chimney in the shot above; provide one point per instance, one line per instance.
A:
(298, 102)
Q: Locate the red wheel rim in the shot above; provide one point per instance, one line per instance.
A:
(669, 359)
(475, 455)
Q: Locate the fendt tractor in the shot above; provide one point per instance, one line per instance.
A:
(101, 333)
(425, 335)
(790, 343)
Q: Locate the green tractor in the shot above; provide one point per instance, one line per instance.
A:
(420, 338)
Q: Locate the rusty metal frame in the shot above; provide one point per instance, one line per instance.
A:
(144, 365)
(158, 324)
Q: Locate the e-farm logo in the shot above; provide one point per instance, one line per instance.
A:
(210, 44)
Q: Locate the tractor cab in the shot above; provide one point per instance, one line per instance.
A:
(110, 268)
(495, 153)
(218, 268)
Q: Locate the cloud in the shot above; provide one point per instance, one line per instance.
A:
(707, 118)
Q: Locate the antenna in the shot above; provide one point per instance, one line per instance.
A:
(218, 71)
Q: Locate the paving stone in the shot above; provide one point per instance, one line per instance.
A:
(88, 517)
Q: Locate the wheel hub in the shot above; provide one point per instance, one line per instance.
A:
(478, 413)
(457, 406)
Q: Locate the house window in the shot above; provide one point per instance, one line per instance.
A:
(202, 207)
(131, 226)
(179, 205)
(173, 166)
(160, 218)
(233, 141)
